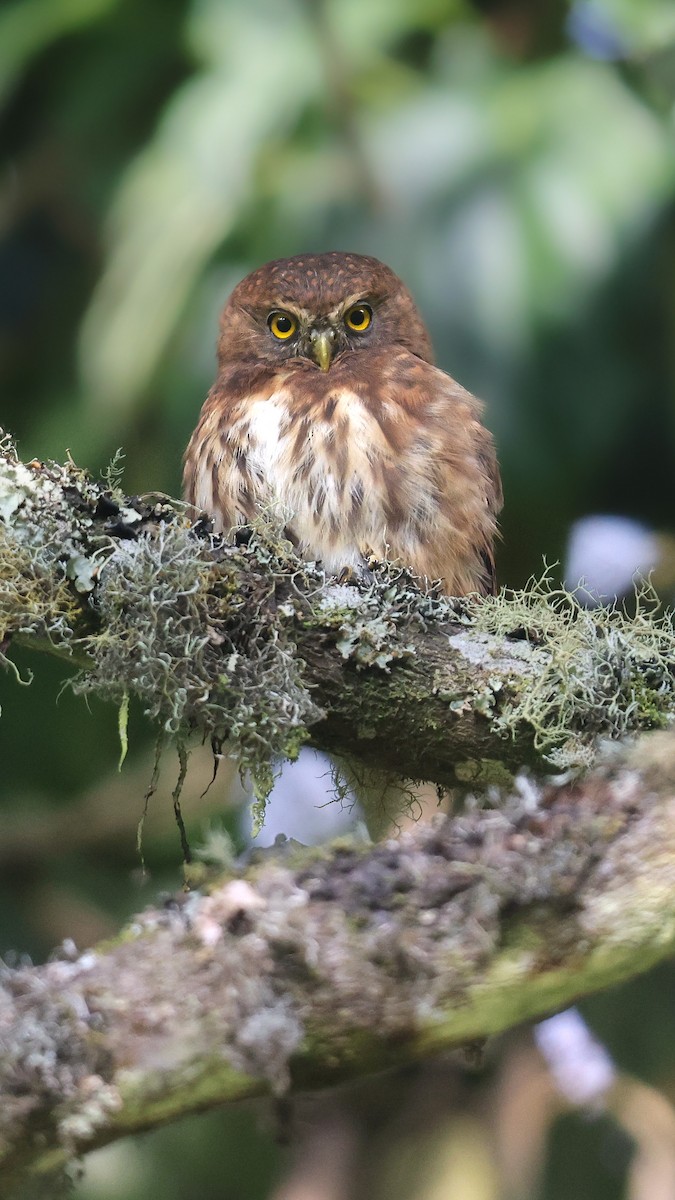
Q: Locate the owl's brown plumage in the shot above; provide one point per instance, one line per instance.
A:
(327, 406)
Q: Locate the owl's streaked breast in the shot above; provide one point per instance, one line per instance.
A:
(318, 469)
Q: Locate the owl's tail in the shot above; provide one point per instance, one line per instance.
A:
(389, 804)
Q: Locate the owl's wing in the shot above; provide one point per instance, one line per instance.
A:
(447, 473)
(494, 499)
(472, 481)
(217, 474)
(201, 462)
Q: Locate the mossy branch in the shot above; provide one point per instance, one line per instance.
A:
(314, 966)
(246, 644)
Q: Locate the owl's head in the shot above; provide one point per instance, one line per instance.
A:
(316, 307)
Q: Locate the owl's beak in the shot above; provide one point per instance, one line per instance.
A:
(323, 346)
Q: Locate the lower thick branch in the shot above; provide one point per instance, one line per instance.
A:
(317, 965)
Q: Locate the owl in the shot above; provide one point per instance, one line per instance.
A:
(327, 408)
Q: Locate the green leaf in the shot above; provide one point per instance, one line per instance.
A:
(123, 729)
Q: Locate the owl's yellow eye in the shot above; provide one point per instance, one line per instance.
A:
(282, 325)
(358, 317)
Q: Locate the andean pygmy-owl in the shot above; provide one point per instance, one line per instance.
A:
(327, 404)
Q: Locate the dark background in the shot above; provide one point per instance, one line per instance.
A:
(513, 161)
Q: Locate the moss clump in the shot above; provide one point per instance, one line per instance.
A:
(180, 619)
(600, 672)
(200, 653)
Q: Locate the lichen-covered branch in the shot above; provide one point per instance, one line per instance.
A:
(246, 644)
(316, 965)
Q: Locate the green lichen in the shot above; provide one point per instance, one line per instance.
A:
(600, 673)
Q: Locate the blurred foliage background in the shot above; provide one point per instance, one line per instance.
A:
(513, 161)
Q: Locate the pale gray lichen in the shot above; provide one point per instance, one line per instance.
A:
(53, 1062)
(370, 620)
(369, 641)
